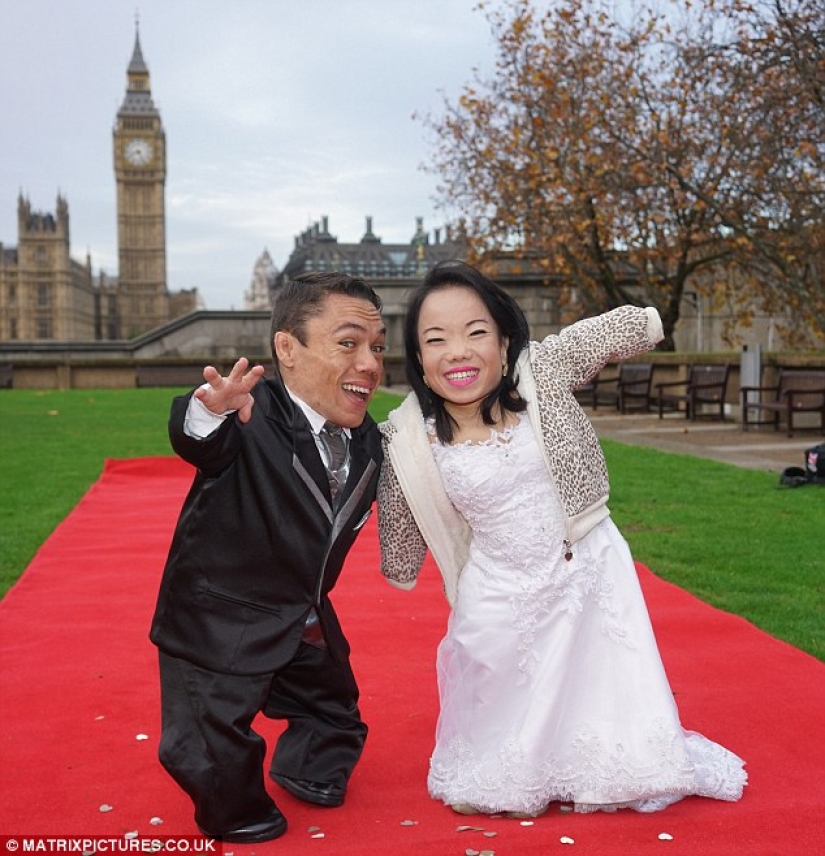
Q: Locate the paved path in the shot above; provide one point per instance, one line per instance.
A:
(760, 449)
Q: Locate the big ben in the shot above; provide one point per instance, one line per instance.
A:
(140, 174)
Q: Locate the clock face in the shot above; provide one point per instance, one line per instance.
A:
(138, 152)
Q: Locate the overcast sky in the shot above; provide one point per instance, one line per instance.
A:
(276, 112)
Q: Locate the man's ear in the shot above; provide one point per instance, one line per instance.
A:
(285, 344)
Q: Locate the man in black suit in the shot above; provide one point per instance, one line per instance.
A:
(286, 477)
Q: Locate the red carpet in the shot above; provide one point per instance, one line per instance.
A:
(79, 688)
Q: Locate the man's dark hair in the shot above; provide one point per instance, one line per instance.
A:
(303, 297)
(509, 320)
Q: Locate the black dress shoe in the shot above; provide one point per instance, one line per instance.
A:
(318, 793)
(272, 826)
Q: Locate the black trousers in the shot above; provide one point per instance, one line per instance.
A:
(209, 748)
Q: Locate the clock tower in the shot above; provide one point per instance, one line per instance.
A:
(140, 175)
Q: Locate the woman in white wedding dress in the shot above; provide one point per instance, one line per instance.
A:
(550, 681)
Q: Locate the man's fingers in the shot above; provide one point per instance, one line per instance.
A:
(245, 412)
(237, 372)
(211, 375)
(230, 392)
(252, 377)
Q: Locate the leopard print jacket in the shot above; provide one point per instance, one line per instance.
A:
(414, 512)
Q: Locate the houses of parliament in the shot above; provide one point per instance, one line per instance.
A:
(63, 326)
(47, 295)
(48, 298)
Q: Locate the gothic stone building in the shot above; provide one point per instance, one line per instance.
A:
(394, 270)
(46, 295)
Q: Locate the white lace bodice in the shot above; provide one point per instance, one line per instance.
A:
(492, 484)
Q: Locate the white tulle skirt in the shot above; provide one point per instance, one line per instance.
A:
(552, 689)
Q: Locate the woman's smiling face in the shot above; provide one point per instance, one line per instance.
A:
(461, 350)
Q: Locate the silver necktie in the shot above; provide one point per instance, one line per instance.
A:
(335, 443)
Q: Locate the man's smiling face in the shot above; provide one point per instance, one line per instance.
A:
(338, 369)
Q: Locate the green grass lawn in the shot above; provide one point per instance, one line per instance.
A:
(724, 533)
(53, 445)
(728, 535)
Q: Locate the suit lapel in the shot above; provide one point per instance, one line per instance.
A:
(320, 497)
(359, 462)
(307, 463)
(306, 460)
(356, 486)
(362, 467)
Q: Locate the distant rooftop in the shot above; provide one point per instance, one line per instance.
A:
(316, 249)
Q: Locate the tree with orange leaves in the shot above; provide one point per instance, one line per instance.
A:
(635, 158)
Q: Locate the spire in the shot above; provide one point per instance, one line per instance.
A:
(138, 99)
(369, 236)
(137, 65)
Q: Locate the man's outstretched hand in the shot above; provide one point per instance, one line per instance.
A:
(231, 392)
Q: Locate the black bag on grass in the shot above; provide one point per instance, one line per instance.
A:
(812, 473)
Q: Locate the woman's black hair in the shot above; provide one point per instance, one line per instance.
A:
(509, 320)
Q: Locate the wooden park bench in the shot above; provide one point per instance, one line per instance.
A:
(706, 385)
(796, 391)
(630, 388)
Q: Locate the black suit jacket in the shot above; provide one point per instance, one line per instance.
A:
(257, 544)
